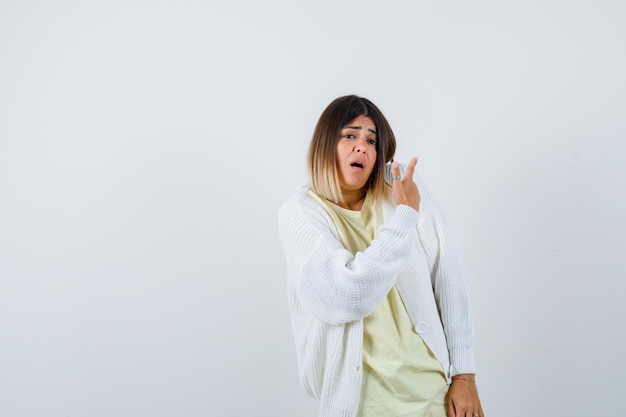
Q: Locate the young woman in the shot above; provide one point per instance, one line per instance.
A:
(377, 292)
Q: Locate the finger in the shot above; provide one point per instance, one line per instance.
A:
(451, 410)
(395, 169)
(410, 169)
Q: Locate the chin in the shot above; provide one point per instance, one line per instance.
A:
(353, 187)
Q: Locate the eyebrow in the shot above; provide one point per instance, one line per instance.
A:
(359, 128)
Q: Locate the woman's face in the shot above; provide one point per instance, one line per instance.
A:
(356, 153)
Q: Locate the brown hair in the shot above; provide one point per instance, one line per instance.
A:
(322, 157)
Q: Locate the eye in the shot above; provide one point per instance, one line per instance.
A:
(372, 142)
(349, 136)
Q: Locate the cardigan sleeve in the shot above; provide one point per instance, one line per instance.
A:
(332, 284)
(449, 280)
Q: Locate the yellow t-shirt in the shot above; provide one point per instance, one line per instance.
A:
(401, 376)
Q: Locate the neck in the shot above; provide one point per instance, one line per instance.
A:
(352, 200)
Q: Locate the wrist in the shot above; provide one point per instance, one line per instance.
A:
(464, 377)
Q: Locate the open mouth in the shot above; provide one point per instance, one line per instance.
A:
(357, 164)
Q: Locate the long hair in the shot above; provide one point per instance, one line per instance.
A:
(322, 157)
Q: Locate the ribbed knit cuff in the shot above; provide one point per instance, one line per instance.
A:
(405, 217)
(462, 360)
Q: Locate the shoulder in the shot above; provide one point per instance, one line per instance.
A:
(302, 221)
(300, 206)
(300, 200)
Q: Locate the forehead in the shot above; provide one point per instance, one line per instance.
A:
(362, 122)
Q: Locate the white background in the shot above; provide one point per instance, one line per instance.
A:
(145, 147)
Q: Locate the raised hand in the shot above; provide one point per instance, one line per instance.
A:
(404, 190)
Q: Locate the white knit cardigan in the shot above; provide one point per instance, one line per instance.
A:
(330, 291)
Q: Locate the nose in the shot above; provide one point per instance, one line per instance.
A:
(360, 146)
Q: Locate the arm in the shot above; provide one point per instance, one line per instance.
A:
(448, 278)
(449, 283)
(331, 284)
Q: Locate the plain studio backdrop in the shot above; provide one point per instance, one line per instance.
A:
(146, 146)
